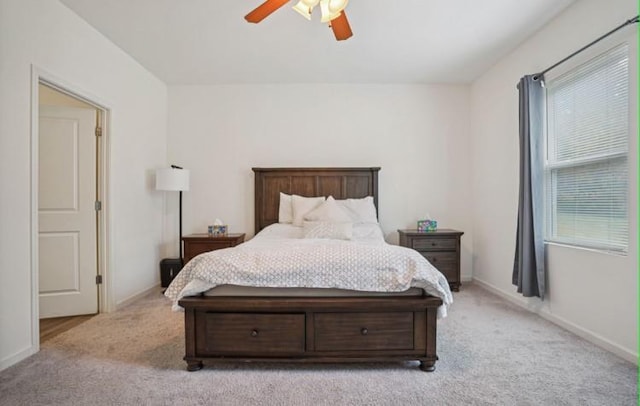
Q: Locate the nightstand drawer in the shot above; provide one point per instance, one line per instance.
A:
(434, 244)
(193, 249)
(363, 331)
(196, 244)
(247, 333)
(445, 262)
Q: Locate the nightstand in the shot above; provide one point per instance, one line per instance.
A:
(195, 244)
(441, 248)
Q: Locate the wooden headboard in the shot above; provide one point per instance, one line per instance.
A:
(341, 183)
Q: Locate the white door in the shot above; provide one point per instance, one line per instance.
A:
(67, 216)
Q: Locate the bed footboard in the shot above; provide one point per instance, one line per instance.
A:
(223, 329)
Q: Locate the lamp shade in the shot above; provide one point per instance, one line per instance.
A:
(172, 179)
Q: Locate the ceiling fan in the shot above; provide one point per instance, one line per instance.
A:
(332, 13)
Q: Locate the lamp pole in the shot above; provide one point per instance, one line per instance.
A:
(180, 233)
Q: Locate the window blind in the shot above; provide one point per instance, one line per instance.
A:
(586, 170)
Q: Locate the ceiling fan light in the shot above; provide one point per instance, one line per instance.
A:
(304, 7)
(328, 13)
(336, 6)
(303, 10)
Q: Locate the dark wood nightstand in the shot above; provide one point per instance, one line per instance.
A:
(195, 244)
(441, 248)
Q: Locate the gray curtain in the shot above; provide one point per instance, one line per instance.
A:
(528, 267)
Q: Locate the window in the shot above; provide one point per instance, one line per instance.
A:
(586, 170)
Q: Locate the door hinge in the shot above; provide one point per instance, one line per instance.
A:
(98, 279)
(98, 131)
(98, 205)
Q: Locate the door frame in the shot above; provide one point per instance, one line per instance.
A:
(105, 299)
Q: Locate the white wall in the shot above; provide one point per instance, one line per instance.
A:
(417, 134)
(591, 293)
(48, 35)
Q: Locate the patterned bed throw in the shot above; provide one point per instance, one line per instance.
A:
(312, 263)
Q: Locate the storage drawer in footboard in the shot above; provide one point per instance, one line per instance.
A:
(364, 331)
(249, 334)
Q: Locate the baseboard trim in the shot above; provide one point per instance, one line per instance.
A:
(567, 325)
(17, 357)
(137, 296)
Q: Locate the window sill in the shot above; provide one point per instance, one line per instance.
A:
(581, 248)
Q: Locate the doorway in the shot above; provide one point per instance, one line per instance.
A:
(69, 188)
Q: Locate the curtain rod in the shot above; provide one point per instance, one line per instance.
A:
(628, 22)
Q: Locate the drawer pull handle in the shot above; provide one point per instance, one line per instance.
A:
(433, 244)
(364, 331)
(254, 333)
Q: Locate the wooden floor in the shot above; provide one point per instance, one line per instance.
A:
(50, 328)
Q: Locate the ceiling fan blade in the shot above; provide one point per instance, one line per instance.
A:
(262, 11)
(340, 27)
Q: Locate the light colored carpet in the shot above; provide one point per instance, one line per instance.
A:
(491, 353)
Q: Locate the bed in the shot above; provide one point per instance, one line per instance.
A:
(281, 324)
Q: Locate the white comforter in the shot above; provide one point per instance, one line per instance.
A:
(279, 257)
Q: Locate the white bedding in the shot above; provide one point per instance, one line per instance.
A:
(279, 256)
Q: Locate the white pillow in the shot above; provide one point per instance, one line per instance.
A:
(303, 205)
(328, 211)
(360, 210)
(285, 210)
(326, 229)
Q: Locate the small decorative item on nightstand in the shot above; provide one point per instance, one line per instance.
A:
(217, 230)
(441, 248)
(425, 226)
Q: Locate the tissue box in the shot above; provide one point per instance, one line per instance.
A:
(427, 225)
(217, 230)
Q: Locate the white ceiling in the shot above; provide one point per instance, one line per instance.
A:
(394, 41)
